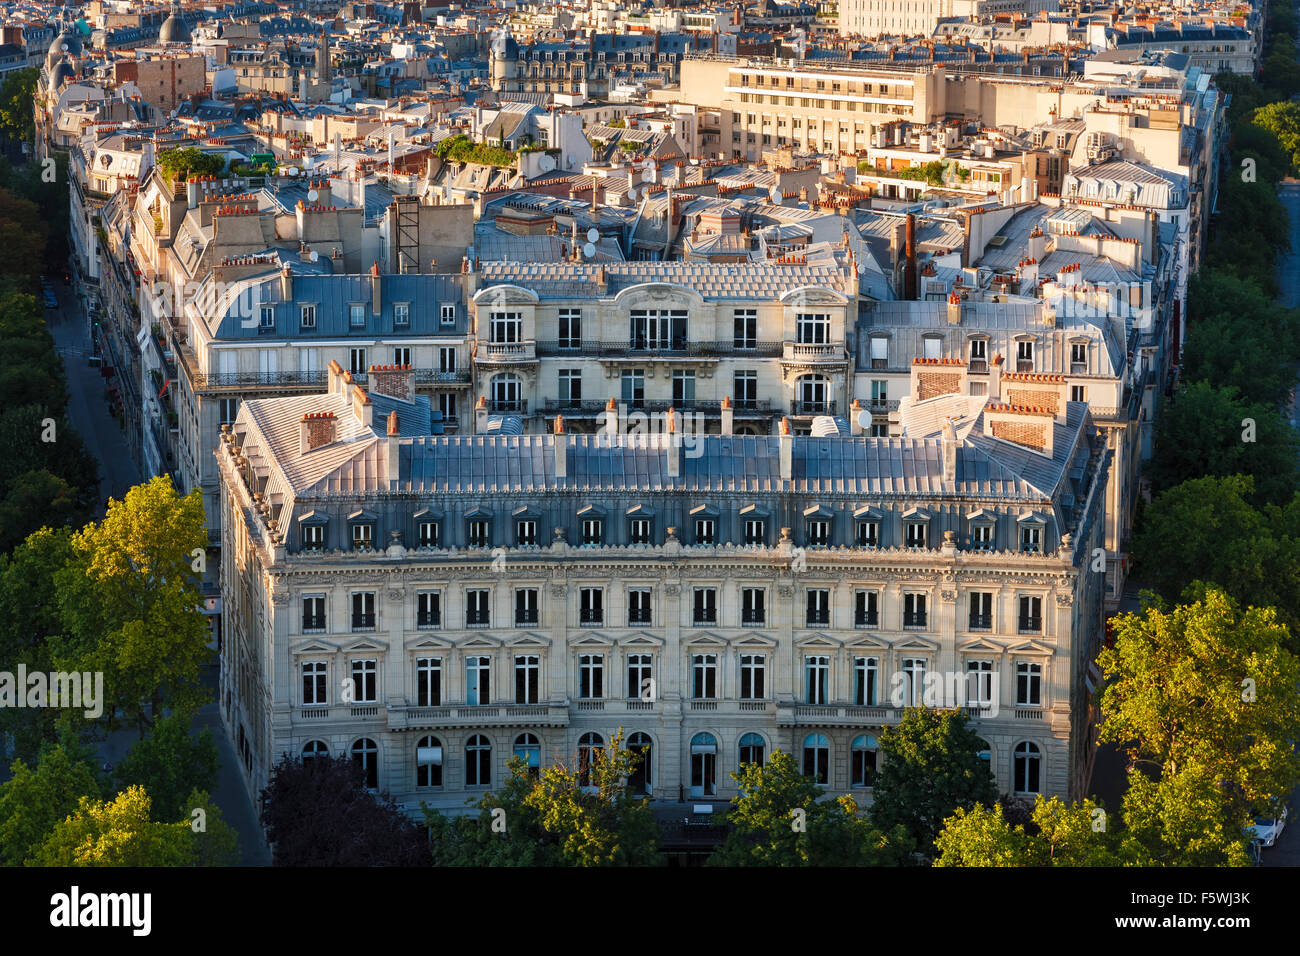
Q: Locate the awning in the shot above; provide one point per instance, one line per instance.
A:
(428, 756)
(704, 748)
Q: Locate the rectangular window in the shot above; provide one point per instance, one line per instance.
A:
(914, 534)
(753, 607)
(981, 611)
(447, 315)
(591, 676)
(315, 684)
(592, 531)
(591, 606)
(428, 609)
(313, 537)
(639, 531)
(979, 355)
(979, 684)
(1031, 539)
(526, 532)
(480, 532)
(683, 388)
(866, 609)
(401, 315)
(755, 531)
(819, 533)
(357, 361)
(313, 614)
(363, 537)
(1024, 356)
(229, 411)
(813, 328)
(913, 610)
(447, 405)
(356, 316)
(981, 537)
(363, 611)
(706, 530)
(447, 359)
(868, 534)
(527, 678)
(428, 681)
(505, 327)
(1029, 684)
(818, 608)
(864, 681)
(753, 673)
(745, 386)
(1078, 393)
(478, 607)
(365, 681)
(526, 606)
(1078, 357)
(307, 317)
(638, 606)
(478, 683)
(816, 674)
(933, 347)
(402, 355)
(1031, 613)
(570, 386)
(705, 609)
(745, 323)
(640, 684)
(633, 392)
(879, 353)
(913, 681)
(704, 676)
(428, 534)
(266, 320)
(658, 329)
(570, 328)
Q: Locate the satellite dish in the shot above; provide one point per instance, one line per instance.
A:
(631, 193)
(774, 194)
(314, 255)
(589, 250)
(593, 235)
(864, 420)
(293, 170)
(546, 163)
(312, 195)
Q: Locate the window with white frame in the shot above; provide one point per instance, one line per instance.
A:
(979, 683)
(479, 532)
(819, 532)
(914, 533)
(639, 531)
(866, 609)
(447, 315)
(1031, 613)
(366, 756)
(315, 683)
(638, 606)
(816, 679)
(591, 606)
(478, 680)
(1027, 759)
(478, 762)
(753, 607)
(1031, 538)
(755, 531)
(862, 772)
(812, 328)
(401, 315)
(914, 609)
(478, 607)
(591, 676)
(639, 676)
(868, 534)
(428, 534)
(402, 355)
(1024, 356)
(363, 536)
(356, 316)
(981, 536)
(745, 328)
(526, 532)
(704, 676)
(505, 327)
(865, 673)
(363, 611)
(704, 609)
(753, 673)
(1078, 357)
(981, 610)
(658, 329)
(817, 757)
(365, 680)
(428, 681)
(817, 607)
(313, 613)
(913, 681)
(593, 531)
(446, 359)
(706, 530)
(307, 317)
(704, 765)
(526, 606)
(428, 762)
(1078, 393)
(528, 669)
(1029, 684)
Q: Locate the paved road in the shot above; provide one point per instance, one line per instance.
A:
(89, 414)
(87, 409)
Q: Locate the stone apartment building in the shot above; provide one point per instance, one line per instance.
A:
(433, 605)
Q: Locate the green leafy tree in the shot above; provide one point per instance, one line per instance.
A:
(117, 832)
(1210, 690)
(131, 603)
(1282, 119)
(931, 767)
(1200, 434)
(981, 836)
(181, 163)
(1186, 818)
(33, 801)
(779, 819)
(1058, 834)
(214, 841)
(171, 762)
(16, 97)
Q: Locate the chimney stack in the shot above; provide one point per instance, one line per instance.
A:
(786, 450)
(361, 407)
(316, 429)
(954, 309)
(949, 443)
(376, 294)
(909, 259)
(728, 416)
(561, 447)
(611, 417)
(286, 284)
(395, 381)
(394, 450)
(855, 418)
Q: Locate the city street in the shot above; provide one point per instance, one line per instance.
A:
(89, 414)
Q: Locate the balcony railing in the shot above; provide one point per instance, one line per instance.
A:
(425, 376)
(820, 352)
(814, 408)
(790, 714)
(461, 715)
(913, 619)
(575, 407)
(525, 351)
(517, 406)
(309, 380)
(981, 622)
(629, 348)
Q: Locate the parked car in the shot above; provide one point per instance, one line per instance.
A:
(51, 302)
(1266, 830)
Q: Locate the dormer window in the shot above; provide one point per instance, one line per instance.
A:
(706, 531)
(266, 320)
(1078, 358)
(639, 530)
(429, 534)
(868, 534)
(819, 532)
(979, 355)
(356, 316)
(593, 531)
(981, 536)
(313, 536)
(526, 532)
(479, 532)
(1031, 539)
(307, 317)
(363, 536)
(1024, 356)
(914, 533)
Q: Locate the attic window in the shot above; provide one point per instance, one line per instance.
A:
(997, 242)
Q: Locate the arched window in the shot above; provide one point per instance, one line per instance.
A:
(529, 748)
(704, 765)
(864, 761)
(588, 744)
(507, 393)
(478, 762)
(817, 757)
(641, 779)
(1028, 767)
(428, 762)
(813, 395)
(752, 749)
(313, 749)
(366, 756)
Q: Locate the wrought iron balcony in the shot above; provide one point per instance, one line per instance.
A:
(642, 349)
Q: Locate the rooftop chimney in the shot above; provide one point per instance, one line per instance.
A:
(376, 296)
(611, 417)
(954, 308)
(394, 443)
(728, 416)
(361, 407)
(395, 381)
(909, 259)
(315, 430)
(786, 450)
(949, 443)
(561, 445)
